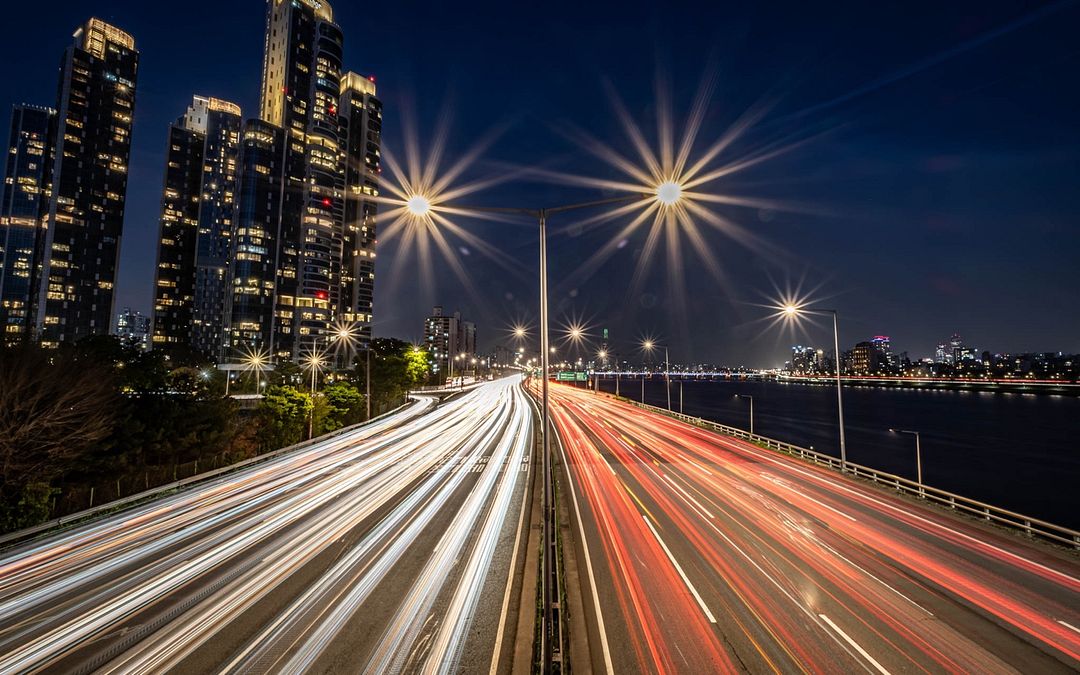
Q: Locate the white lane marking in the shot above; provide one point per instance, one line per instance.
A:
(679, 569)
(1069, 625)
(701, 509)
(881, 669)
(776, 481)
(871, 575)
(699, 466)
(588, 562)
(510, 582)
(869, 497)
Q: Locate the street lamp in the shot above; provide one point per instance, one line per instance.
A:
(256, 360)
(313, 362)
(663, 190)
(792, 311)
(649, 346)
(918, 458)
(751, 409)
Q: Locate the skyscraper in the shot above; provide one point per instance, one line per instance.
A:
(297, 254)
(23, 209)
(361, 117)
(96, 102)
(255, 241)
(197, 211)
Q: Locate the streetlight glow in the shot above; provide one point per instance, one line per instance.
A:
(668, 193)
(418, 205)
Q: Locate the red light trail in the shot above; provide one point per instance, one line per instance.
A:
(801, 568)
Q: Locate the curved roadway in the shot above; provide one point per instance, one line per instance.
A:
(388, 548)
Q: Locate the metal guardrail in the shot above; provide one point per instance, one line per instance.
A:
(56, 523)
(1033, 527)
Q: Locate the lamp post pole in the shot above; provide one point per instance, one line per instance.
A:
(751, 409)
(918, 458)
(667, 377)
(367, 379)
(839, 389)
(547, 505)
(795, 310)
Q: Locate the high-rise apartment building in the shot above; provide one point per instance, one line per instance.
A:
(24, 203)
(441, 335)
(81, 243)
(361, 117)
(251, 294)
(447, 336)
(198, 207)
(310, 158)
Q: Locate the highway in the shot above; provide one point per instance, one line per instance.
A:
(390, 548)
(700, 553)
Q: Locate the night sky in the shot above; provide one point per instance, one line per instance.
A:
(934, 187)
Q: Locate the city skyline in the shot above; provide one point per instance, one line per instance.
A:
(933, 293)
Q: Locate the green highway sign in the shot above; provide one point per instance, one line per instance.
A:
(571, 376)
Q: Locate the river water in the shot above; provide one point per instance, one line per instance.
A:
(1019, 451)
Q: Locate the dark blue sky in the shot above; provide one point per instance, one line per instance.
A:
(939, 186)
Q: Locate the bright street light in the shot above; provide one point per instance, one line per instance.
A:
(668, 193)
(418, 205)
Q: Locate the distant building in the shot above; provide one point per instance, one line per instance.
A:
(941, 354)
(96, 103)
(466, 335)
(503, 356)
(441, 336)
(24, 205)
(806, 360)
(197, 210)
(134, 327)
(447, 336)
(871, 357)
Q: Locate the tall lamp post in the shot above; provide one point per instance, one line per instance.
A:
(649, 346)
(918, 457)
(420, 206)
(367, 379)
(751, 409)
(795, 310)
(314, 362)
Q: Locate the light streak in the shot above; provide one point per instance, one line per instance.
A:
(787, 552)
(72, 593)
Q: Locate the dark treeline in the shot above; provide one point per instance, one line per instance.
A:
(104, 413)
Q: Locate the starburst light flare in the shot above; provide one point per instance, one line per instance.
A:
(683, 188)
(419, 209)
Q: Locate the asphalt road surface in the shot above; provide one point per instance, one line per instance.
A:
(703, 553)
(386, 549)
